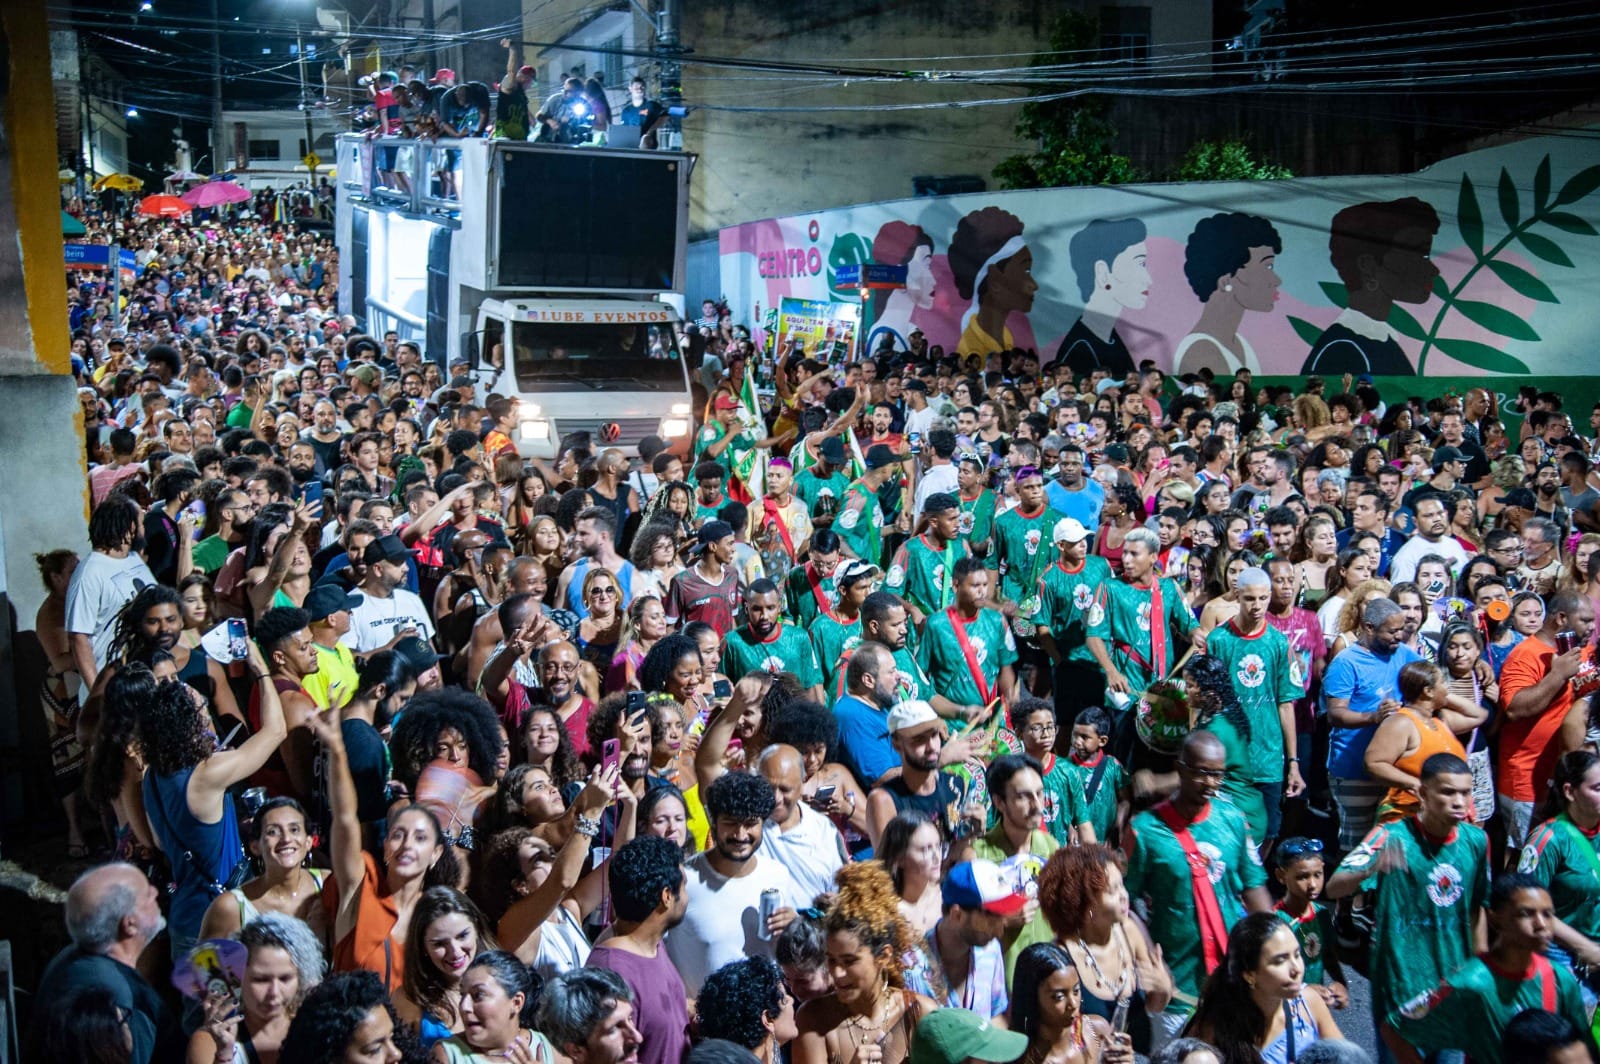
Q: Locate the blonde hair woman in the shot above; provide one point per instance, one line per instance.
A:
(1349, 624)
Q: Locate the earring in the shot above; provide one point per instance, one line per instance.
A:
(1108, 288)
(1227, 288)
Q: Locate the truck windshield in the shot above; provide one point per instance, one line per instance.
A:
(564, 356)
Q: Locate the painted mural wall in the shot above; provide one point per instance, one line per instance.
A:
(1485, 264)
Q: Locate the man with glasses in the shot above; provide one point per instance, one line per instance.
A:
(1541, 555)
(237, 510)
(1193, 861)
(1066, 809)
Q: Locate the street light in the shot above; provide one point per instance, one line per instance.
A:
(146, 6)
(133, 112)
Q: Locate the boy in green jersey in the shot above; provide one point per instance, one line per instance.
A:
(710, 481)
(1563, 855)
(1193, 861)
(860, 520)
(836, 634)
(1066, 596)
(969, 648)
(826, 478)
(1300, 871)
(977, 503)
(766, 644)
(1102, 777)
(1066, 811)
(1430, 873)
(808, 589)
(922, 567)
(1471, 1008)
(1022, 547)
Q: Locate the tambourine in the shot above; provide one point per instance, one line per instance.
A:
(1161, 717)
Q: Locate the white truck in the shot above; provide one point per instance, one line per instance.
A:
(555, 272)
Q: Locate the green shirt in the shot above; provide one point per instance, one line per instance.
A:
(239, 417)
(1022, 551)
(995, 847)
(1065, 807)
(1470, 1009)
(803, 606)
(860, 524)
(811, 485)
(1314, 932)
(707, 511)
(786, 650)
(914, 682)
(921, 572)
(1263, 680)
(977, 516)
(731, 455)
(1427, 905)
(1158, 871)
(1237, 788)
(834, 640)
(1560, 856)
(1122, 619)
(1066, 597)
(993, 648)
(210, 554)
(1102, 804)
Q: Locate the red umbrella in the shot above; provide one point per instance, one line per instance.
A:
(164, 207)
(214, 192)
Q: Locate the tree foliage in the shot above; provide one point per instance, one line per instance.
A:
(1074, 137)
(1226, 160)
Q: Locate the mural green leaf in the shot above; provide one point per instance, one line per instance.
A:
(1579, 185)
(1522, 282)
(1441, 289)
(1496, 319)
(1401, 321)
(1541, 185)
(848, 249)
(1510, 202)
(1544, 248)
(1480, 356)
(1308, 332)
(1336, 293)
(1469, 218)
(1570, 222)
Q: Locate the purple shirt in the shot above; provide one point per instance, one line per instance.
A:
(661, 1009)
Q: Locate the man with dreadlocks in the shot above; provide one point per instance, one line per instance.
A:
(151, 626)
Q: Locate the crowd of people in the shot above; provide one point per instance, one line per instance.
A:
(947, 708)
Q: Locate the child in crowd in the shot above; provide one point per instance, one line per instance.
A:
(1102, 776)
(1300, 871)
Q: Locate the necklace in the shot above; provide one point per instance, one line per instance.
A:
(1122, 989)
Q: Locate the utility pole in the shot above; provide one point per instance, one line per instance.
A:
(305, 100)
(430, 44)
(669, 48)
(219, 149)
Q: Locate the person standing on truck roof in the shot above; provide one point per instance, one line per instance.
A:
(512, 119)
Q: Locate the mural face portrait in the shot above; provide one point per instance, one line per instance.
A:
(1255, 285)
(1010, 285)
(919, 277)
(1127, 280)
(1406, 271)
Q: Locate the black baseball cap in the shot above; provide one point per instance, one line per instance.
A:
(324, 600)
(386, 549)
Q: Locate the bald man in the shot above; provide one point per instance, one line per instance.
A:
(111, 916)
(796, 835)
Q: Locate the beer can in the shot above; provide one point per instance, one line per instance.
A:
(771, 902)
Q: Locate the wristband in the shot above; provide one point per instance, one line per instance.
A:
(588, 827)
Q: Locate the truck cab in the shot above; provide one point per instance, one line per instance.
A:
(612, 368)
(556, 272)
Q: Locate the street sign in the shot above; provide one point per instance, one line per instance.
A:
(88, 256)
(311, 161)
(870, 275)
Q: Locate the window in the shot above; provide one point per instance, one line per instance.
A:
(611, 62)
(262, 149)
(1125, 34)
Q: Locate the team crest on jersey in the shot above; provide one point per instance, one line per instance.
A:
(966, 523)
(938, 575)
(851, 643)
(980, 649)
(909, 688)
(897, 576)
(1252, 671)
(708, 434)
(1215, 867)
(849, 518)
(1097, 615)
(1144, 616)
(1313, 945)
(1082, 597)
(1424, 1003)
(1030, 540)
(824, 492)
(1444, 885)
(1528, 861)
(772, 664)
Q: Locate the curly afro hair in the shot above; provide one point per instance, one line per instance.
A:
(803, 724)
(604, 718)
(130, 688)
(736, 998)
(640, 871)
(428, 714)
(327, 1019)
(742, 796)
(173, 736)
(868, 908)
(1071, 885)
(499, 868)
(663, 658)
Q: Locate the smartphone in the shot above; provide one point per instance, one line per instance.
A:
(915, 439)
(610, 754)
(238, 639)
(638, 702)
(311, 491)
(722, 689)
(824, 795)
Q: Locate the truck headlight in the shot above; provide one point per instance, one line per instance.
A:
(681, 409)
(536, 428)
(673, 427)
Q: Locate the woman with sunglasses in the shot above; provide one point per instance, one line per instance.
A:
(601, 630)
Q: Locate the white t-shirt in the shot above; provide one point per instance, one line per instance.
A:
(375, 621)
(722, 924)
(940, 478)
(921, 421)
(1403, 566)
(812, 851)
(100, 587)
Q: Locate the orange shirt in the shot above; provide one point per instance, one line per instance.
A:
(368, 945)
(1529, 747)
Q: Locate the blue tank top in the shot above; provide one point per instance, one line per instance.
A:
(1305, 1033)
(201, 855)
(575, 587)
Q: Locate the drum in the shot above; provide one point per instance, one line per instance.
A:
(1161, 717)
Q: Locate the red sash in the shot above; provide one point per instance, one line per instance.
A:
(1158, 634)
(775, 516)
(823, 605)
(959, 626)
(1547, 982)
(1213, 929)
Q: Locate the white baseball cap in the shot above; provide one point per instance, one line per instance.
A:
(1069, 530)
(912, 713)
